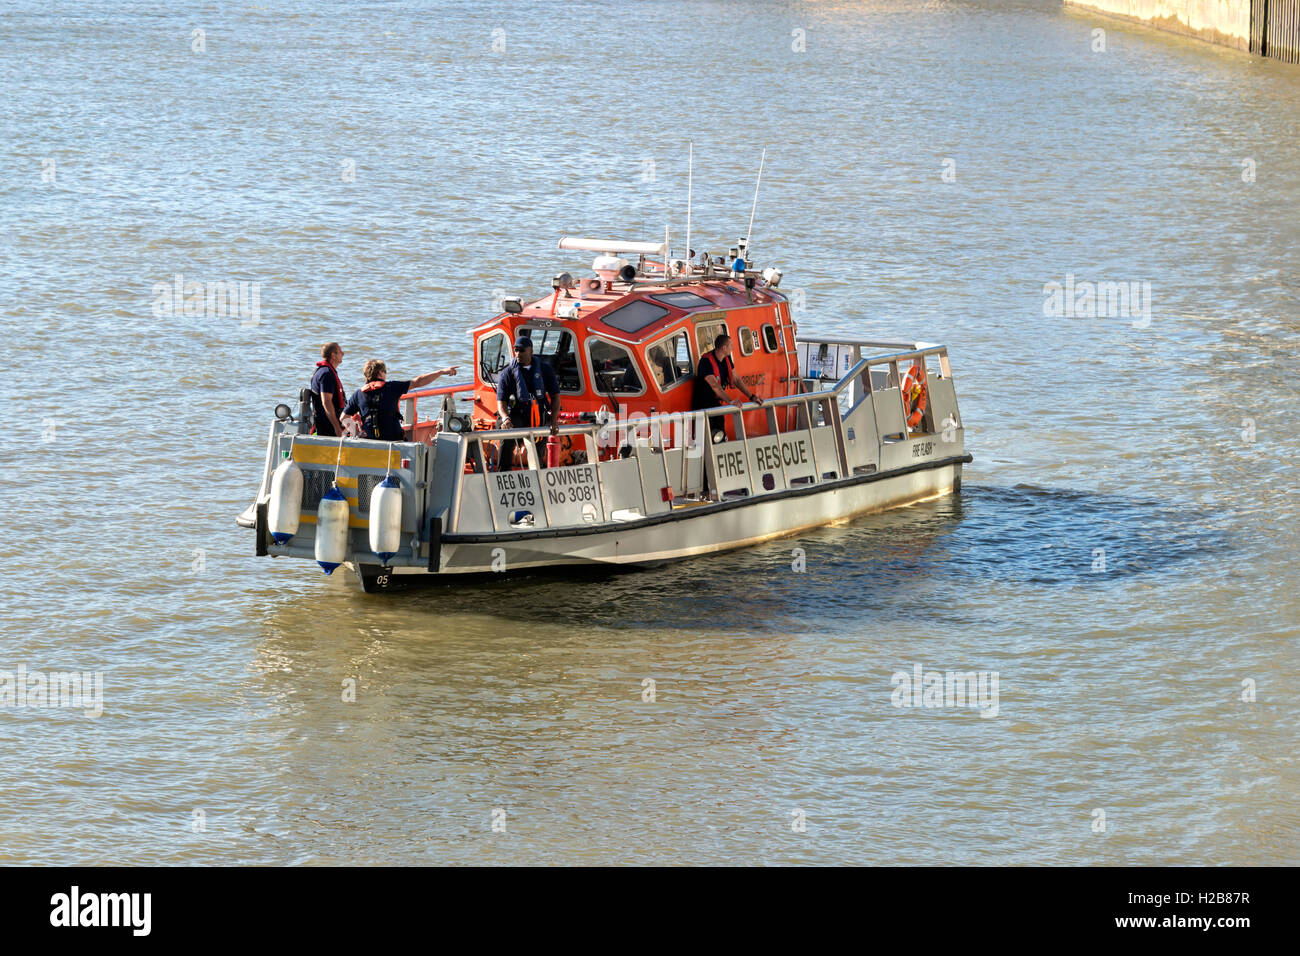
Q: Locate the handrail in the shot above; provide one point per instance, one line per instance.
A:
(440, 390)
(582, 428)
(630, 429)
(858, 343)
(540, 431)
(909, 351)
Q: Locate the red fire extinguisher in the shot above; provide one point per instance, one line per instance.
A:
(552, 443)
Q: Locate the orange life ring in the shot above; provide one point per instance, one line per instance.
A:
(915, 394)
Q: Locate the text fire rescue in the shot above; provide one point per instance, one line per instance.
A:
(766, 457)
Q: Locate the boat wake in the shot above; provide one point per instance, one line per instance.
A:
(1020, 537)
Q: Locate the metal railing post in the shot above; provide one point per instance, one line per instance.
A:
(460, 480)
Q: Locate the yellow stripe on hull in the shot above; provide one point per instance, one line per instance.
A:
(353, 457)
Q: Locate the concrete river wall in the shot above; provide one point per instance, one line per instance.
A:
(1267, 27)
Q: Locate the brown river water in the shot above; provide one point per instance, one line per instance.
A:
(1122, 554)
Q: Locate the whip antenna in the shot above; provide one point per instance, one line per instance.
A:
(690, 176)
(749, 236)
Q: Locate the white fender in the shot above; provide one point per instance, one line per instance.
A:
(386, 518)
(331, 530)
(286, 501)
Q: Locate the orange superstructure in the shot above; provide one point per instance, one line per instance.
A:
(631, 345)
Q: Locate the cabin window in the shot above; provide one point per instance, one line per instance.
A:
(613, 369)
(494, 354)
(555, 347)
(683, 300)
(670, 361)
(706, 332)
(769, 338)
(634, 316)
(748, 341)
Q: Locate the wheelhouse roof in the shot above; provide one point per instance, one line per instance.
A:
(718, 294)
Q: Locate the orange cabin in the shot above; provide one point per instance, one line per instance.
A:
(633, 347)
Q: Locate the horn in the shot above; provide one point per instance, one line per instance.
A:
(627, 273)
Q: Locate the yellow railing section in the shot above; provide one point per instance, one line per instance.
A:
(353, 457)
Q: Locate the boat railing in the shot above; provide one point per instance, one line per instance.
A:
(424, 431)
(819, 353)
(850, 385)
(859, 343)
(638, 423)
(657, 458)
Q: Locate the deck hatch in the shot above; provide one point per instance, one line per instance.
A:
(634, 316)
(683, 300)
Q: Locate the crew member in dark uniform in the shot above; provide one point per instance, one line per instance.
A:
(528, 396)
(327, 398)
(713, 376)
(378, 402)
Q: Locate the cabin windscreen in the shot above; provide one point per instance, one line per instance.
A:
(706, 332)
(670, 361)
(613, 368)
(494, 354)
(555, 347)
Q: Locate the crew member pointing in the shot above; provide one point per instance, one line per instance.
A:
(378, 401)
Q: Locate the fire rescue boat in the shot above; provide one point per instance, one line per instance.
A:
(635, 476)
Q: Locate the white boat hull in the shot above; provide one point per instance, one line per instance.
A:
(683, 533)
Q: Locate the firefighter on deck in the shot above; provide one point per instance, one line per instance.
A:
(714, 375)
(528, 394)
